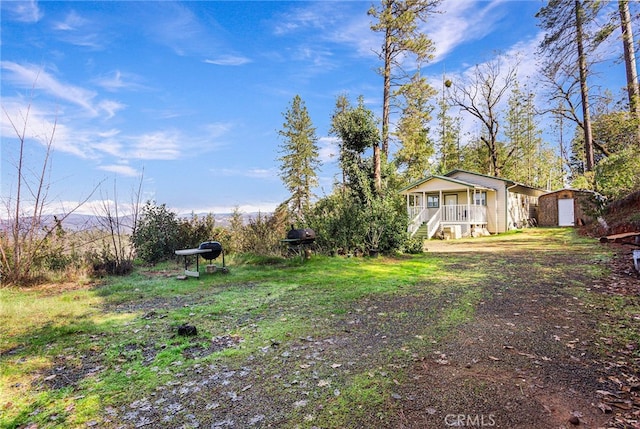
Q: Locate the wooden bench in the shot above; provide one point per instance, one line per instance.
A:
(190, 252)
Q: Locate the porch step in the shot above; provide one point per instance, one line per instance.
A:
(422, 232)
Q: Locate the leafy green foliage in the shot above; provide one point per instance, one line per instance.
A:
(358, 220)
(156, 237)
(337, 220)
(618, 174)
(617, 156)
(359, 215)
(357, 129)
(262, 234)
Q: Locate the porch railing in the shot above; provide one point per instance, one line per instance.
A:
(434, 223)
(449, 214)
(462, 213)
(417, 216)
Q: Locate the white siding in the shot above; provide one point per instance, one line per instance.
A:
(496, 202)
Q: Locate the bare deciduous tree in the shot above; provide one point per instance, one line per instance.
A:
(24, 235)
(119, 224)
(480, 96)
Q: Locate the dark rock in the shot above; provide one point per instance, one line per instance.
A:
(187, 330)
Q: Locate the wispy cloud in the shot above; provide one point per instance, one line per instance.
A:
(462, 22)
(23, 11)
(118, 80)
(72, 22)
(262, 207)
(315, 16)
(78, 30)
(216, 129)
(254, 173)
(177, 27)
(159, 145)
(32, 76)
(120, 169)
(228, 60)
(333, 22)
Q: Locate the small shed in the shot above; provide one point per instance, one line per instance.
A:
(567, 207)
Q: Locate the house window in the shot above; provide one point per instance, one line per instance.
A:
(480, 199)
(433, 201)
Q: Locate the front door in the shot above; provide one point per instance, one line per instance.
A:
(450, 208)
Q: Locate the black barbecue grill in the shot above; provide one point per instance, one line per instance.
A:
(300, 240)
(300, 236)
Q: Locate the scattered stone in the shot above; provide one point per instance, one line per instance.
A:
(574, 420)
(187, 330)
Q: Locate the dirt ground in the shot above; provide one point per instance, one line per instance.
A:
(527, 360)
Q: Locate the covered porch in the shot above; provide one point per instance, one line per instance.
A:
(449, 206)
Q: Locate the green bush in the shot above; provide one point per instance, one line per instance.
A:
(262, 235)
(618, 174)
(344, 224)
(339, 224)
(157, 235)
(195, 230)
(414, 246)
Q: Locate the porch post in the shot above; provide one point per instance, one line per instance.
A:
(408, 207)
(469, 209)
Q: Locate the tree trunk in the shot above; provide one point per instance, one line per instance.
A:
(386, 91)
(629, 58)
(584, 89)
(377, 176)
(633, 90)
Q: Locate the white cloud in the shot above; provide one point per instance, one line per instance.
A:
(461, 22)
(255, 173)
(23, 11)
(217, 129)
(243, 208)
(228, 60)
(334, 22)
(159, 145)
(72, 22)
(41, 126)
(120, 169)
(318, 16)
(79, 31)
(32, 76)
(118, 80)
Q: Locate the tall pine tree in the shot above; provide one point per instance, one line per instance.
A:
(398, 21)
(416, 151)
(300, 157)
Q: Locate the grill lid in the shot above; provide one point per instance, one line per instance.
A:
(216, 249)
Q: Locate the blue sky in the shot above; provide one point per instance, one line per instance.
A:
(192, 93)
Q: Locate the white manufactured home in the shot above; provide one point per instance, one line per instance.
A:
(461, 203)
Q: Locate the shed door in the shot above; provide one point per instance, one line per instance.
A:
(565, 212)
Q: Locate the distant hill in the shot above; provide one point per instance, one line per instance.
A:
(79, 222)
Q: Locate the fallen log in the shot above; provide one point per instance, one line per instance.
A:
(626, 237)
